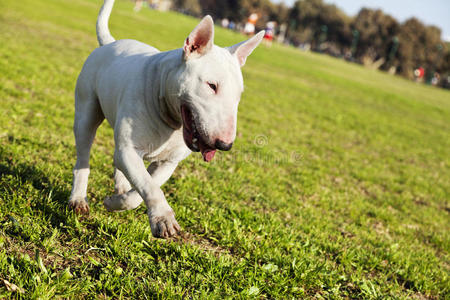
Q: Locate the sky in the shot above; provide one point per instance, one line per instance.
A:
(430, 12)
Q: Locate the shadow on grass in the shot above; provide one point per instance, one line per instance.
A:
(52, 203)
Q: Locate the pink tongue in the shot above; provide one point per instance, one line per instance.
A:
(208, 155)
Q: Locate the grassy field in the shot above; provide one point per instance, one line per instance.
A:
(337, 187)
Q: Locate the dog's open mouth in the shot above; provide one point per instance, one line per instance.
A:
(193, 138)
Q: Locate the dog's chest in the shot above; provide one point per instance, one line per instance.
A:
(173, 149)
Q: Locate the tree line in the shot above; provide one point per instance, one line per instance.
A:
(371, 37)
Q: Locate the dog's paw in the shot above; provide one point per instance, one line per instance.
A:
(79, 205)
(126, 201)
(111, 202)
(164, 225)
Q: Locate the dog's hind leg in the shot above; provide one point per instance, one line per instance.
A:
(125, 198)
(160, 172)
(121, 183)
(88, 116)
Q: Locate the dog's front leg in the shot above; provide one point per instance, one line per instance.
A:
(161, 216)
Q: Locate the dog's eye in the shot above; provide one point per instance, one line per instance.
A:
(213, 86)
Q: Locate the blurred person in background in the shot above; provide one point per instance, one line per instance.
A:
(249, 28)
(138, 5)
(225, 22)
(270, 30)
(419, 73)
(161, 5)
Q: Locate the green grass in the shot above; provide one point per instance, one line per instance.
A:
(337, 187)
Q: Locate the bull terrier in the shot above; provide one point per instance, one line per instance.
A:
(162, 106)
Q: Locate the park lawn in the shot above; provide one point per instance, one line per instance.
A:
(337, 187)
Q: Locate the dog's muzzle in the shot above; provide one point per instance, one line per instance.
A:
(192, 137)
(220, 145)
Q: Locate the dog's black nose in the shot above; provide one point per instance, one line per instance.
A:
(222, 145)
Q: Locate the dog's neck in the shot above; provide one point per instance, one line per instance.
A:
(169, 114)
(167, 105)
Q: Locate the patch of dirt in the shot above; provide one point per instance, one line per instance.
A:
(381, 229)
(420, 201)
(345, 233)
(420, 296)
(203, 243)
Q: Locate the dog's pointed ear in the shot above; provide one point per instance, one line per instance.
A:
(245, 48)
(200, 40)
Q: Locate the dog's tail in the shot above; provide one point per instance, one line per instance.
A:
(103, 35)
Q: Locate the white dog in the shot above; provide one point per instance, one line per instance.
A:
(162, 106)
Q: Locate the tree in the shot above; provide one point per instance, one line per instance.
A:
(191, 7)
(311, 19)
(230, 9)
(420, 46)
(376, 31)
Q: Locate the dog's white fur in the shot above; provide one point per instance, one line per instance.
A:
(140, 91)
